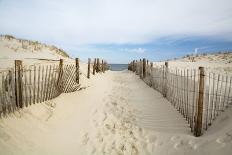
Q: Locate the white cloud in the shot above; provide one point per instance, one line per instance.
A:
(118, 21)
(134, 50)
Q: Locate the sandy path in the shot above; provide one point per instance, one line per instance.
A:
(116, 114)
(152, 110)
(131, 117)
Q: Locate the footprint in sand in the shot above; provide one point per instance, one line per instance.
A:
(122, 99)
(158, 143)
(151, 139)
(114, 103)
(95, 123)
(50, 104)
(92, 150)
(85, 139)
(185, 145)
(105, 116)
(179, 144)
(193, 144)
(95, 112)
(224, 139)
(151, 147)
(175, 138)
(4, 136)
(227, 138)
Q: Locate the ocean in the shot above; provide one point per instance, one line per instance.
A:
(118, 67)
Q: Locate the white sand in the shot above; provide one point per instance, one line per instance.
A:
(117, 114)
(221, 63)
(14, 49)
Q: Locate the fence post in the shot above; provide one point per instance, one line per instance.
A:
(151, 68)
(77, 71)
(129, 68)
(139, 67)
(98, 66)
(147, 68)
(94, 66)
(165, 80)
(133, 66)
(60, 74)
(102, 67)
(144, 67)
(136, 68)
(18, 83)
(199, 112)
(151, 63)
(88, 73)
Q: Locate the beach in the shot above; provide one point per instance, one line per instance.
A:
(114, 113)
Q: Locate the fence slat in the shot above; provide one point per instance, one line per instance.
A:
(228, 100)
(217, 89)
(214, 97)
(25, 87)
(188, 118)
(184, 95)
(12, 91)
(77, 71)
(45, 83)
(39, 82)
(57, 90)
(220, 95)
(3, 95)
(94, 66)
(60, 77)
(70, 81)
(7, 93)
(51, 82)
(30, 87)
(48, 83)
(34, 87)
(225, 91)
(42, 85)
(207, 102)
(54, 86)
(88, 71)
(67, 76)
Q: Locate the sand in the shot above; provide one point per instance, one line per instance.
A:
(219, 63)
(114, 113)
(15, 49)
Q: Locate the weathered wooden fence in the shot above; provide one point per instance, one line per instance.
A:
(199, 95)
(24, 86)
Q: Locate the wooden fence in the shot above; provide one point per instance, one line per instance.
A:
(24, 86)
(199, 95)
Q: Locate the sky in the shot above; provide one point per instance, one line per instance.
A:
(122, 30)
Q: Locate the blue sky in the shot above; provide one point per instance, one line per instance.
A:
(122, 30)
